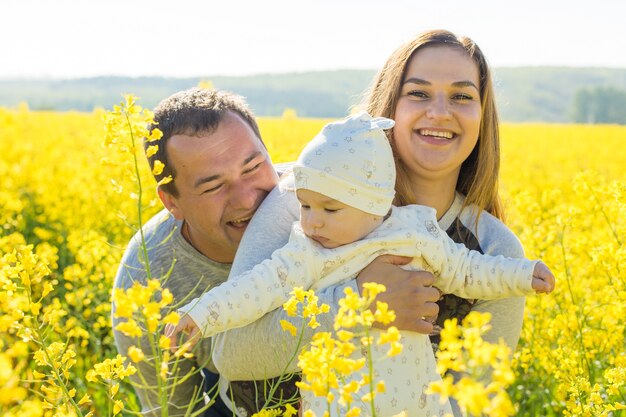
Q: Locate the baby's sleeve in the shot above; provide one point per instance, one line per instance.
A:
(246, 298)
(470, 274)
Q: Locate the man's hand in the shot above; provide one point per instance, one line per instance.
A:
(409, 293)
(185, 325)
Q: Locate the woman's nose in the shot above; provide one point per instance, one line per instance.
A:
(439, 107)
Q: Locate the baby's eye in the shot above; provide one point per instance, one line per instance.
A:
(328, 210)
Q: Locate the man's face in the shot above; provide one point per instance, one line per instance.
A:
(222, 178)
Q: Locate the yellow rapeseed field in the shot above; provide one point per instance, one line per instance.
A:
(68, 206)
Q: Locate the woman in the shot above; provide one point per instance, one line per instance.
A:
(438, 89)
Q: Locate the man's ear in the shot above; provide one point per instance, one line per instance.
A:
(171, 204)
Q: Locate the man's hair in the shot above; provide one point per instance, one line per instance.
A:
(192, 112)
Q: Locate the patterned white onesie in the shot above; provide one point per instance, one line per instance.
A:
(409, 231)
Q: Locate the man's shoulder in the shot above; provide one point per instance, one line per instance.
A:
(158, 233)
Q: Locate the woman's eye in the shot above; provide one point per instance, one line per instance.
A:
(417, 93)
(462, 97)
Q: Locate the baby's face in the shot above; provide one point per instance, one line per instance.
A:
(332, 223)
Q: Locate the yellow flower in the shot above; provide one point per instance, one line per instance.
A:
(135, 354)
(395, 349)
(155, 134)
(164, 369)
(313, 323)
(171, 318)
(152, 150)
(287, 326)
(157, 167)
(129, 328)
(354, 412)
(118, 406)
(289, 411)
(165, 180)
(392, 334)
(84, 400)
(380, 386)
(47, 288)
(34, 308)
(164, 342)
(445, 388)
(383, 314)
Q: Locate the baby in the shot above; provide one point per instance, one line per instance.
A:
(344, 180)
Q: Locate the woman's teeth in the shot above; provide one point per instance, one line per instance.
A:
(436, 133)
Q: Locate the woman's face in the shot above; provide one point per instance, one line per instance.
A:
(438, 113)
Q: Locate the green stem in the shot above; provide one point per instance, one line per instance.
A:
(370, 366)
(274, 387)
(606, 217)
(574, 302)
(55, 372)
(144, 247)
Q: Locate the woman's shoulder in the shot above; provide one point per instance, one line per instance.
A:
(493, 236)
(282, 197)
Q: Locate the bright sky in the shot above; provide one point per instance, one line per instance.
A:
(78, 38)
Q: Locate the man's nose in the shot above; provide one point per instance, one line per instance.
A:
(243, 196)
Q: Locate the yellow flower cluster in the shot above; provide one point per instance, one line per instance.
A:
(484, 367)
(106, 373)
(147, 301)
(569, 208)
(333, 360)
(289, 411)
(565, 199)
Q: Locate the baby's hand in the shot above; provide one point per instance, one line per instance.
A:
(187, 325)
(543, 279)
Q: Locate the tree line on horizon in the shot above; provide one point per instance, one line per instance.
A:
(524, 94)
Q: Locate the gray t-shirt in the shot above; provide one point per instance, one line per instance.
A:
(192, 274)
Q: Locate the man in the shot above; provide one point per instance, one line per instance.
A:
(221, 172)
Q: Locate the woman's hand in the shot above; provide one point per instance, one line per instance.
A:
(409, 293)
